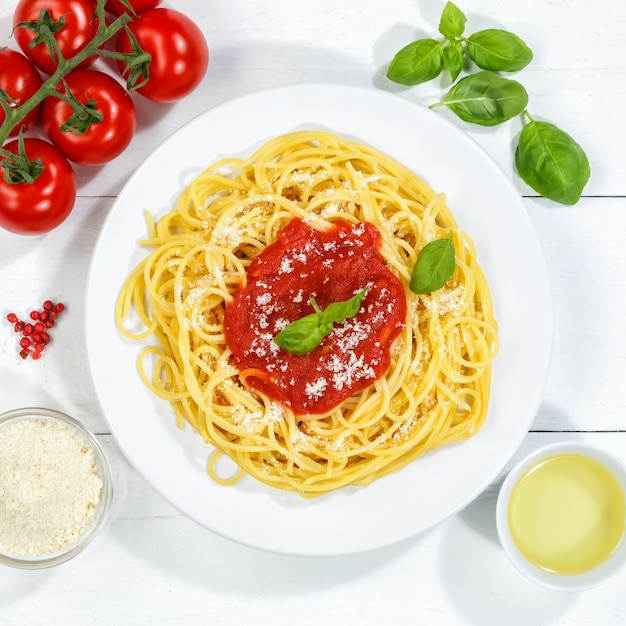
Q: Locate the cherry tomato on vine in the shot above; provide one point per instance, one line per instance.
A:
(20, 80)
(37, 207)
(79, 29)
(99, 142)
(139, 6)
(180, 55)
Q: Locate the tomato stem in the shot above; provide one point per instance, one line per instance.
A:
(105, 32)
(18, 168)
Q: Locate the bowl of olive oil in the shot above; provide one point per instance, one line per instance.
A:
(561, 515)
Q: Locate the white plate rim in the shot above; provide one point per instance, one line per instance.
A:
(419, 496)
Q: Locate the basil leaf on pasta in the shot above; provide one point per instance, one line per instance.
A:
(337, 312)
(305, 334)
(301, 336)
(434, 266)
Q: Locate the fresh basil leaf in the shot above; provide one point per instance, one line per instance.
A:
(305, 334)
(454, 58)
(419, 62)
(485, 98)
(338, 312)
(452, 22)
(301, 336)
(434, 266)
(551, 162)
(498, 50)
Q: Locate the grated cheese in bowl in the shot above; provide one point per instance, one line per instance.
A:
(55, 487)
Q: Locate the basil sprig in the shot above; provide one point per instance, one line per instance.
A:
(305, 334)
(434, 266)
(491, 49)
(546, 158)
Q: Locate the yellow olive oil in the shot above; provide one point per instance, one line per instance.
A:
(567, 513)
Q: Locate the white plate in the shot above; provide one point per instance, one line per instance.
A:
(486, 205)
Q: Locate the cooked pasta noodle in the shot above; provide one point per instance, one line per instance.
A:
(437, 388)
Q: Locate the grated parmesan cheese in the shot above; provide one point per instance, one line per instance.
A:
(50, 487)
(227, 234)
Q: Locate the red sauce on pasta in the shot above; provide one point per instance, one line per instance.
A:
(331, 266)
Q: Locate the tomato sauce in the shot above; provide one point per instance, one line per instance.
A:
(332, 266)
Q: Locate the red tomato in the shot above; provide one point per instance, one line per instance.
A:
(80, 28)
(139, 6)
(40, 206)
(19, 79)
(180, 55)
(102, 141)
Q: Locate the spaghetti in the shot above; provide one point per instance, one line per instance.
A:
(437, 385)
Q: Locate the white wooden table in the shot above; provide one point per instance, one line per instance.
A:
(154, 566)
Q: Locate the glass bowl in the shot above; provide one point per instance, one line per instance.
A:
(56, 488)
(561, 516)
